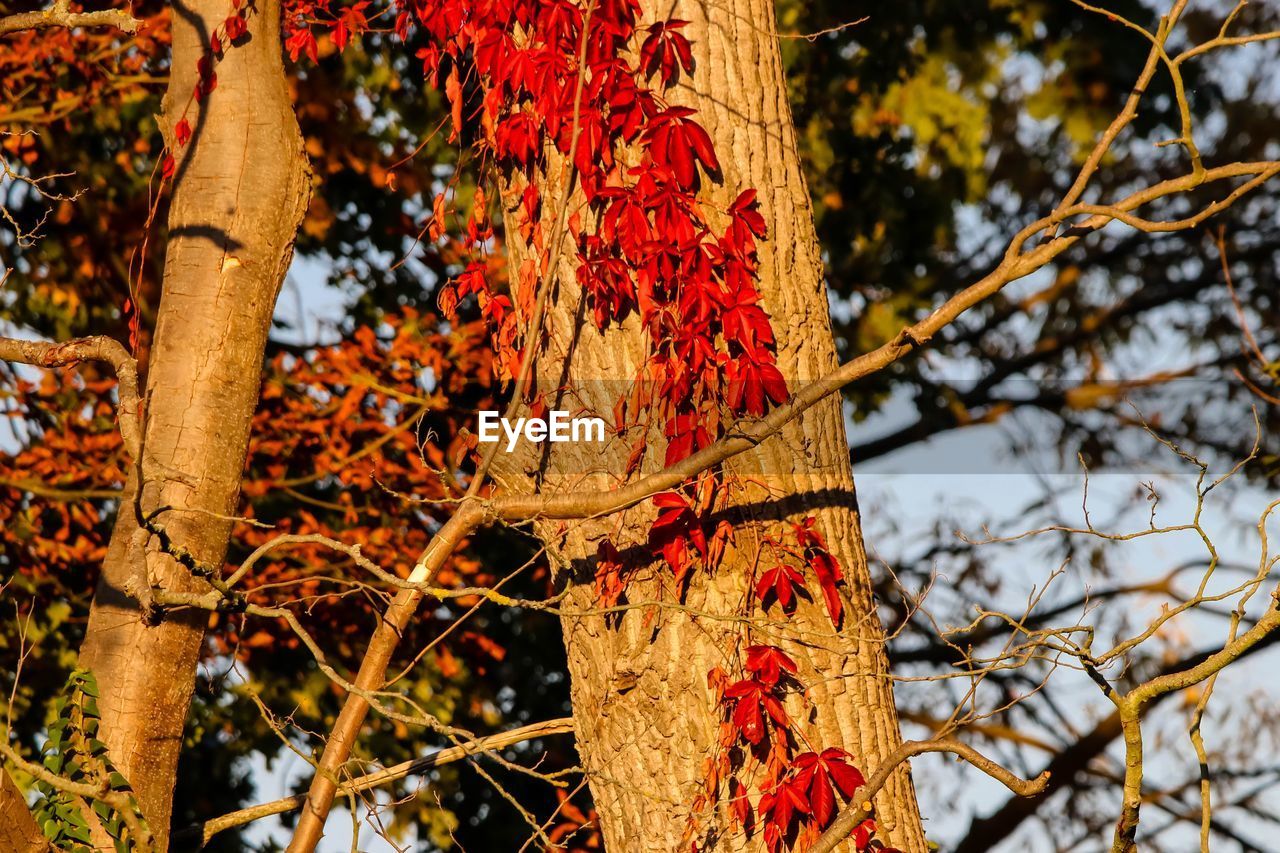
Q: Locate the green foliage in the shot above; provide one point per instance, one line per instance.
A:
(74, 753)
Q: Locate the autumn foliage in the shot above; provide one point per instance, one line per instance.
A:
(570, 95)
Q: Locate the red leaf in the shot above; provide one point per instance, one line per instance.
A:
(817, 772)
(747, 714)
(236, 26)
(135, 324)
(753, 377)
(718, 681)
(182, 131)
(775, 710)
(780, 582)
(807, 533)
(351, 21)
(302, 41)
(208, 77)
(494, 308)
(847, 777)
(168, 166)
(675, 141)
(740, 805)
(453, 92)
(828, 573)
(701, 142)
(666, 50)
(823, 564)
(340, 33)
(472, 279)
(439, 212)
(775, 386)
(686, 434)
(781, 805)
(768, 663)
(745, 209)
(745, 223)
(745, 322)
(772, 837)
(822, 799)
(517, 138)
(752, 700)
(610, 583)
(674, 531)
(863, 832)
(448, 300)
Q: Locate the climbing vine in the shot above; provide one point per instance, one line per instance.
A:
(564, 97)
(74, 753)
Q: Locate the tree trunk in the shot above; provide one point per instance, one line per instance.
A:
(18, 830)
(240, 191)
(646, 720)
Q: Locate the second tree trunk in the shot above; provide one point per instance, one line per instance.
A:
(647, 720)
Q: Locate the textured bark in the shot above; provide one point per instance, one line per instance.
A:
(240, 191)
(645, 717)
(18, 830)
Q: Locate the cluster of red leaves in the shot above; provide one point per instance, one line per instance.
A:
(576, 830)
(53, 81)
(48, 74)
(548, 82)
(303, 18)
(797, 789)
(824, 566)
(545, 83)
(784, 584)
(339, 441)
(651, 248)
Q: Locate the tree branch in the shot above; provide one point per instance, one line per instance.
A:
(1015, 265)
(860, 808)
(60, 15)
(101, 349)
(984, 833)
(231, 820)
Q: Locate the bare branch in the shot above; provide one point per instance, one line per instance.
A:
(860, 807)
(100, 349)
(231, 820)
(60, 15)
